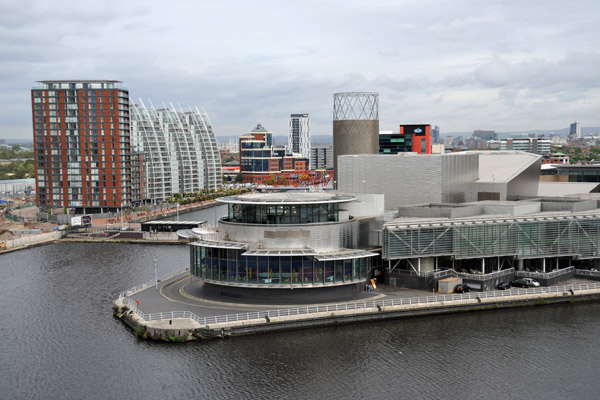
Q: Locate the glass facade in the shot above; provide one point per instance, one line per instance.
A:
(283, 214)
(522, 238)
(229, 265)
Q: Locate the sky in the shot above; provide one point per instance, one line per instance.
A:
(462, 65)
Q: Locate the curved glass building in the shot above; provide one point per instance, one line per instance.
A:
(270, 244)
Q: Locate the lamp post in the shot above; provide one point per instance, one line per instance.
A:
(156, 274)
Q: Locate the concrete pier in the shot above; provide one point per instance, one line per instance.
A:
(216, 319)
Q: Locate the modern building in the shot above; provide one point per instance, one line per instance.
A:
(575, 131)
(355, 125)
(412, 138)
(321, 157)
(485, 135)
(540, 145)
(299, 135)
(467, 176)
(555, 158)
(489, 241)
(81, 136)
(180, 150)
(285, 245)
(571, 173)
(260, 159)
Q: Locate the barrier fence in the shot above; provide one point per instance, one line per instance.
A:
(146, 285)
(258, 315)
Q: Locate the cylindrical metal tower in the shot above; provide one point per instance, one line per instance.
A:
(355, 125)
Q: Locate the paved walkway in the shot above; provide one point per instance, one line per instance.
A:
(183, 293)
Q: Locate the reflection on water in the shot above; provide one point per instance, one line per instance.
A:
(61, 341)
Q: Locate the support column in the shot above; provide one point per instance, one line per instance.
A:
(419, 265)
(520, 264)
(483, 265)
(544, 264)
(498, 263)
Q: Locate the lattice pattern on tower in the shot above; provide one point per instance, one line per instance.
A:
(355, 106)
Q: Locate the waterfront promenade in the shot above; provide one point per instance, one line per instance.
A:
(176, 309)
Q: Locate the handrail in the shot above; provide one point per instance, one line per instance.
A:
(143, 286)
(587, 272)
(256, 315)
(482, 277)
(545, 275)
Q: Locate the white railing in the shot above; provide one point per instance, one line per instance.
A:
(332, 308)
(483, 277)
(587, 272)
(143, 286)
(436, 274)
(545, 275)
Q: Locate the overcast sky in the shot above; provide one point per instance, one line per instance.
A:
(462, 65)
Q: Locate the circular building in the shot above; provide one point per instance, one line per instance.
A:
(271, 244)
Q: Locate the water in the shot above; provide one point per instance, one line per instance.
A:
(60, 341)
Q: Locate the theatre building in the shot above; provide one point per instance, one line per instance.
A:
(270, 245)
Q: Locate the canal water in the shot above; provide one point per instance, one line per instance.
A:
(60, 341)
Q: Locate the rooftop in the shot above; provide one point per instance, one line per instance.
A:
(493, 169)
(290, 197)
(82, 81)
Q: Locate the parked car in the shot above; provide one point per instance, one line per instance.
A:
(533, 282)
(521, 282)
(462, 288)
(503, 286)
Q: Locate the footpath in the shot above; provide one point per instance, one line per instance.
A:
(148, 310)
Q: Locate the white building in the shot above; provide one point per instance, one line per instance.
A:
(299, 135)
(180, 150)
(539, 145)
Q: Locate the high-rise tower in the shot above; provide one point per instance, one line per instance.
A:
(355, 125)
(299, 135)
(82, 148)
(575, 131)
(180, 149)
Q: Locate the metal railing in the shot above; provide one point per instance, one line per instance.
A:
(587, 272)
(545, 275)
(146, 285)
(332, 308)
(483, 277)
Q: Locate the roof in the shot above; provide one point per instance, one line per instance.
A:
(164, 222)
(259, 128)
(81, 81)
(566, 188)
(492, 168)
(289, 197)
(220, 244)
(275, 253)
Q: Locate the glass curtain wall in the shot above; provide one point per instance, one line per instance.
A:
(293, 214)
(229, 265)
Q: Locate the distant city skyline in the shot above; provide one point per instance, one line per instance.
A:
(462, 66)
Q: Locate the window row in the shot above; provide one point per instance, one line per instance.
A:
(228, 265)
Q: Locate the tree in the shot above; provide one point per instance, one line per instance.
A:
(239, 178)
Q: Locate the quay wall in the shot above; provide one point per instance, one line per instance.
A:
(185, 329)
(32, 240)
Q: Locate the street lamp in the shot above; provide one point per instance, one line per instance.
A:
(156, 274)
